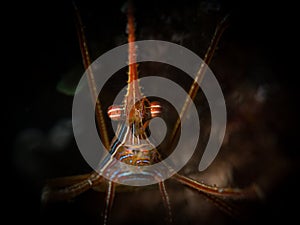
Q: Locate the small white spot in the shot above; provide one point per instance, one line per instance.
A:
(90, 182)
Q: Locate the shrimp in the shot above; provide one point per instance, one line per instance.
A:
(131, 144)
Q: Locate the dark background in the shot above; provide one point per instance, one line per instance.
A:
(43, 46)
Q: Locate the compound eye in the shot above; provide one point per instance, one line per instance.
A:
(115, 112)
(155, 109)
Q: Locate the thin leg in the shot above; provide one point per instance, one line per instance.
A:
(166, 200)
(223, 206)
(54, 191)
(218, 195)
(233, 193)
(109, 200)
(67, 181)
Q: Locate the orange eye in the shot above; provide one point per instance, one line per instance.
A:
(115, 112)
(156, 109)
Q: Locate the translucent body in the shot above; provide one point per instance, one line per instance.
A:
(132, 145)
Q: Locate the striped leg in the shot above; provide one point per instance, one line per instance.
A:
(218, 194)
(109, 200)
(166, 200)
(66, 188)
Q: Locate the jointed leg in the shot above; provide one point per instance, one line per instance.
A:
(233, 193)
(109, 200)
(218, 195)
(69, 187)
(166, 200)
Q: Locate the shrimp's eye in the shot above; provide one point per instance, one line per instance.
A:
(156, 109)
(115, 112)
